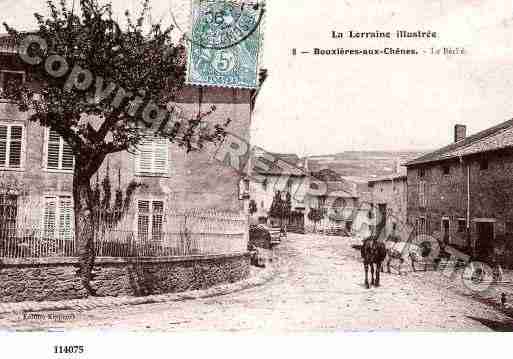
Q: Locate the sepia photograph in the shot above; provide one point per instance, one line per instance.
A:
(185, 167)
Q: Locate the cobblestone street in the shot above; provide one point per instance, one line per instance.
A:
(318, 286)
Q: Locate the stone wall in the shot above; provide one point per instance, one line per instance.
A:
(55, 278)
(491, 195)
(195, 180)
(393, 193)
(336, 207)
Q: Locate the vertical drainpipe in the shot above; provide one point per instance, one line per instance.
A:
(468, 203)
(407, 219)
(468, 196)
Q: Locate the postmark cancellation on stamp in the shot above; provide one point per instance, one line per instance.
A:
(225, 43)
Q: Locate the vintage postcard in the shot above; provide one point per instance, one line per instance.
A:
(258, 167)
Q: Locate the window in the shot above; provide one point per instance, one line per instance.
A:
(11, 146)
(446, 169)
(264, 184)
(422, 172)
(509, 227)
(10, 83)
(59, 155)
(262, 204)
(462, 225)
(8, 214)
(290, 182)
(422, 194)
(483, 164)
(244, 189)
(339, 203)
(421, 225)
(446, 230)
(153, 157)
(58, 218)
(150, 220)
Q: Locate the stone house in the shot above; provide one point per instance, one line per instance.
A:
(462, 192)
(339, 204)
(327, 175)
(388, 196)
(290, 174)
(284, 175)
(41, 163)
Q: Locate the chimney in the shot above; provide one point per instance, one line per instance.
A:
(460, 132)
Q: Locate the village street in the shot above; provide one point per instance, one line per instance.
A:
(318, 287)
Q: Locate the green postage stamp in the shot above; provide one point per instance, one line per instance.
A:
(225, 43)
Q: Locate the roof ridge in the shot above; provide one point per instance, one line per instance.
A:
(498, 131)
(464, 143)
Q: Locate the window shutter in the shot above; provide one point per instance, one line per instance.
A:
(11, 145)
(58, 218)
(160, 156)
(15, 146)
(146, 157)
(8, 213)
(143, 220)
(54, 145)
(157, 220)
(66, 219)
(59, 152)
(67, 156)
(150, 218)
(49, 218)
(3, 146)
(153, 156)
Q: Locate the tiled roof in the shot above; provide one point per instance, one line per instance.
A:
(7, 44)
(327, 175)
(285, 166)
(336, 189)
(393, 177)
(491, 139)
(289, 157)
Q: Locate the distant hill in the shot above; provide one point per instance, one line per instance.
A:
(360, 166)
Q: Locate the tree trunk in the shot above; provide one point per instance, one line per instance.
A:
(84, 227)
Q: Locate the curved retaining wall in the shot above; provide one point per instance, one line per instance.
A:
(56, 279)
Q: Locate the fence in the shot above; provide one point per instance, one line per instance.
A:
(170, 233)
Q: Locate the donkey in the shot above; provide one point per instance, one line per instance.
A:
(373, 253)
(402, 251)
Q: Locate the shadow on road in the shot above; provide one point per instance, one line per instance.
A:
(494, 325)
(490, 302)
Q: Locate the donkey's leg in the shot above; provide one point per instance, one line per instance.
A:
(372, 273)
(389, 259)
(366, 267)
(413, 263)
(379, 266)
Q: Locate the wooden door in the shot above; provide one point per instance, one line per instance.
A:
(484, 243)
(445, 230)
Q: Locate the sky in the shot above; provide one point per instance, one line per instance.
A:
(324, 105)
